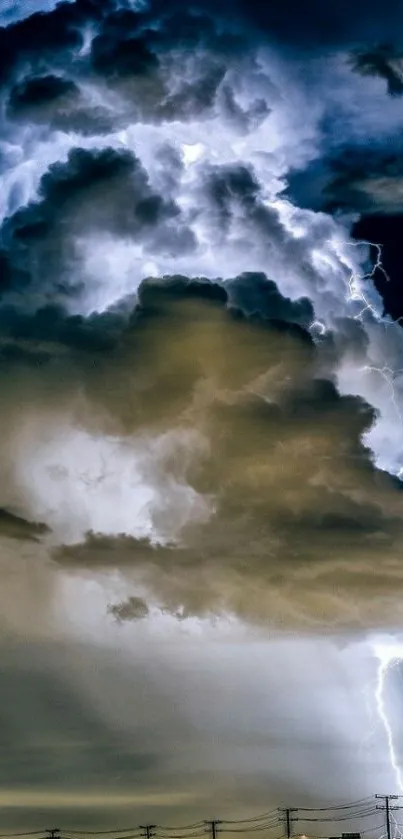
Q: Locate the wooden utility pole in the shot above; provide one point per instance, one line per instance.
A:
(148, 830)
(213, 827)
(288, 819)
(387, 808)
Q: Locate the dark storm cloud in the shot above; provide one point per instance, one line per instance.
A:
(314, 25)
(229, 186)
(231, 194)
(358, 178)
(303, 528)
(46, 34)
(386, 63)
(297, 505)
(134, 608)
(131, 52)
(287, 478)
(367, 181)
(254, 294)
(307, 25)
(40, 90)
(107, 191)
(117, 53)
(39, 338)
(58, 103)
(102, 191)
(207, 400)
(14, 527)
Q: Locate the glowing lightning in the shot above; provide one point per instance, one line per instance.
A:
(389, 375)
(388, 657)
(355, 280)
(356, 293)
(397, 832)
(317, 326)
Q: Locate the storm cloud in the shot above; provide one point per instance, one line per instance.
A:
(163, 304)
(201, 430)
(255, 493)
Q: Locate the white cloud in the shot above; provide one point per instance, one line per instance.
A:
(76, 482)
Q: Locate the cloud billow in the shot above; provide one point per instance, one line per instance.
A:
(289, 514)
(169, 314)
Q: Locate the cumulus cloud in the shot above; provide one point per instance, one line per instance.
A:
(255, 493)
(103, 190)
(163, 141)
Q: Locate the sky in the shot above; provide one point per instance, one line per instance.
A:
(201, 434)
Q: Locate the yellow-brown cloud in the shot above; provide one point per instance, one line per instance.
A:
(303, 529)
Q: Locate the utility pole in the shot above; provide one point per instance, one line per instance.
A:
(288, 819)
(387, 808)
(148, 830)
(213, 827)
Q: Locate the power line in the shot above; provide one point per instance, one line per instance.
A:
(94, 832)
(250, 829)
(253, 823)
(341, 818)
(368, 830)
(182, 831)
(28, 833)
(347, 806)
(288, 819)
(387, 808)
(116, 835)
(342, 812)
(180, 827)
(148, 830)
(213, 827)
(253, 818)
(182, 835)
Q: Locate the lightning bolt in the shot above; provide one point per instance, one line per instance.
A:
(388, 656)
(388, 375)
(317, 326)
(355, 280)
(356, 293)
(397, 833)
